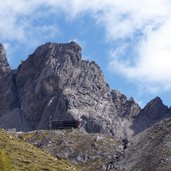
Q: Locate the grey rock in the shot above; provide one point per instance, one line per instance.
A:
(149, 150)
(10, 113)
(4, 66)
(126, 108)
(152, 113)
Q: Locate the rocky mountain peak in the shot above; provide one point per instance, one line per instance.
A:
(73, 46)
(58, 60)
(153, 112)
(4, 66)
(156, 106)
(131, 99)
(155, 102)
(56, 49)
(53, 54)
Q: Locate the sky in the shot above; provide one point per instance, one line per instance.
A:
(129, 39)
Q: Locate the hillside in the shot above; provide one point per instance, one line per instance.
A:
(17, 155)
(90, 151)
(149, 150)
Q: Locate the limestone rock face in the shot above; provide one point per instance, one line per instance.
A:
(6, 87)
(4, 66)
(7, 94)
(54, 83)
(126, 108)
(9, 107)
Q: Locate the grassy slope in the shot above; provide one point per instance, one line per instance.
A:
(17, 155)
(5, 163)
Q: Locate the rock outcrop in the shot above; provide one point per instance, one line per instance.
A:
(58, 85)
(126, 108)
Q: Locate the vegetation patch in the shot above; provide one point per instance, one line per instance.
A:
(5, 163)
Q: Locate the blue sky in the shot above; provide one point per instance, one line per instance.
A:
(129, 39)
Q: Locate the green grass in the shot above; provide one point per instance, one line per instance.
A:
(5, 163)
(17, 155)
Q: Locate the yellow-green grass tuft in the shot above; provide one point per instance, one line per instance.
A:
(5, 162)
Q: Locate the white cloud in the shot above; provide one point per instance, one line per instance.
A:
(147, 23)
(152, 68)
(17, 21)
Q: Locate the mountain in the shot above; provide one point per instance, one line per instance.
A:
(54, 83)
(149, 150)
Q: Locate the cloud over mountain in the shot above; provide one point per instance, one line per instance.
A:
(141, 28)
